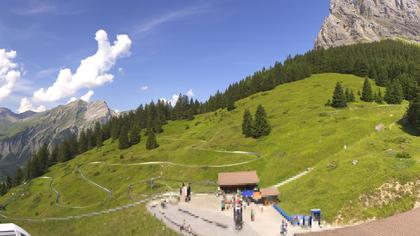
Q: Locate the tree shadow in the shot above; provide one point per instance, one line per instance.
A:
(408, 128)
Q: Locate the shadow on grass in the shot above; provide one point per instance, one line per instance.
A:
(408, 128)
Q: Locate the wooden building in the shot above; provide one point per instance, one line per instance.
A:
(232, 181)
(269, 195)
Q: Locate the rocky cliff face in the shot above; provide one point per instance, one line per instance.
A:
(354, 21)
(21, 134)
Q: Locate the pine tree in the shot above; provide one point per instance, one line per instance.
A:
(83, 142)
(43, 156)
(230, 104)
(352, 97)
(413, 112)
(9, 182)
(394, 93)
(382, 76)
(367, 94)
(64, 152)
(29, 173)
(134, 135)
(409, 86)
(347, 94)
(99, 142)
(378, 97)
(18, 176)
(124, 143)
(3, 189)
(247, 124)
(261, 125)
(53, 156)
(151, 142)
(339, 98)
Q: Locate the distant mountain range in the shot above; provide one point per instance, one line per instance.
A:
(21, 134)
(357, 21)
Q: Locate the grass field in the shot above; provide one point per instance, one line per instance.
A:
(305, 133)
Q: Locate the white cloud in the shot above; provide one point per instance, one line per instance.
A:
(175, 97)
(168, 17)
(144, 88)
(26, 105)
(92, 71)
(49, 72)
(9, 73)
(190, 93)
(72, 99)
(87, 96)
(35, 10)
(37, 7)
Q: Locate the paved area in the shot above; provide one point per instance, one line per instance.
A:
(267, 219)
(407, 224)
(202, 222)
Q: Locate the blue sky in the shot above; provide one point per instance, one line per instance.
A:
(176, 46)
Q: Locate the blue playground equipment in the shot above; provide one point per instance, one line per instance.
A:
(283, 213)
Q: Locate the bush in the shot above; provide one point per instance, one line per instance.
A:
(403, 155)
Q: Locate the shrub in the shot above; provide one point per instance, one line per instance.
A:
(403, 155)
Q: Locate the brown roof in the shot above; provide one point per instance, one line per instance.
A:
(238, 178)
(267, 192)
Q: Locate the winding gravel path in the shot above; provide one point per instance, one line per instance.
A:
(293, 178)
(109, 192)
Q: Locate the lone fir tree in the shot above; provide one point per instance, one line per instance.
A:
(261, 125)
(367, 94)
(339, 99)
(151, 142)
(123, 141)
(413, 112)
(247, 126)
(134, 135)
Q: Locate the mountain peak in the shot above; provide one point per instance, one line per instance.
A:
(355, 21)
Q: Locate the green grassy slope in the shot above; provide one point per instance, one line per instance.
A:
(305, 134)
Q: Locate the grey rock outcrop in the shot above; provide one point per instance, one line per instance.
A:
(355, 21)
(21, 134)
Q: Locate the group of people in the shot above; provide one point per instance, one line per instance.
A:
(283, 229)
(237, 211)
(185, 192)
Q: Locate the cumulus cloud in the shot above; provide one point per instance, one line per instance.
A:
(175, 97)
(9, 73)
(190, 93)
(26, 105)
(92, 72)
(72, 99)
(87, 96)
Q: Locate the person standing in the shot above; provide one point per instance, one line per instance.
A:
(282, 228)
(252, 214)
(180, 191)
(189, 192)
(184, 193)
